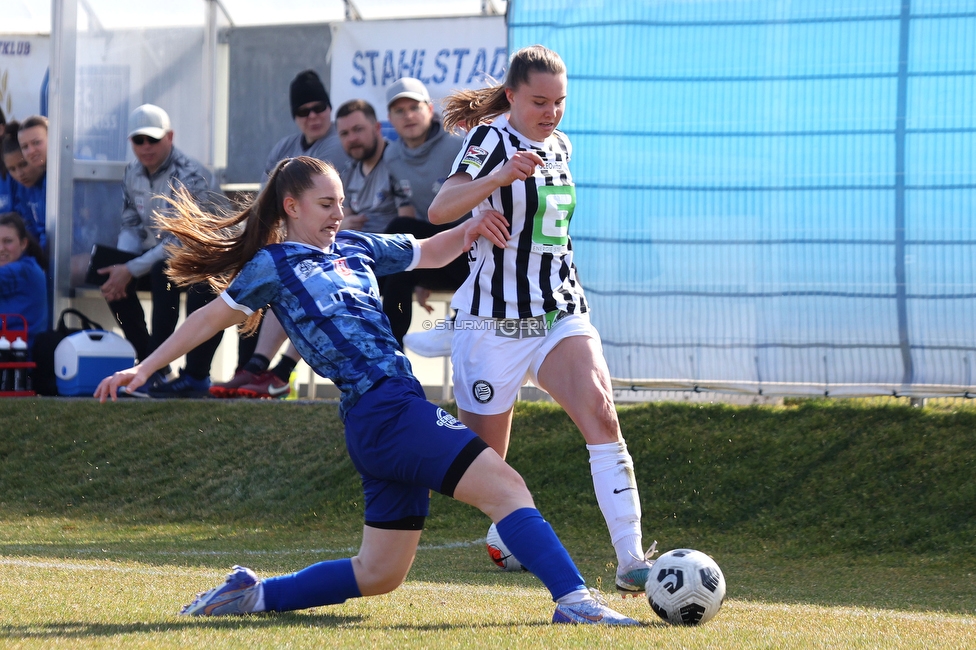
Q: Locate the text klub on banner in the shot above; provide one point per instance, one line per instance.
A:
(23, 62)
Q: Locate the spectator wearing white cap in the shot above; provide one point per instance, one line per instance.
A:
(420, 161)
(159, 170)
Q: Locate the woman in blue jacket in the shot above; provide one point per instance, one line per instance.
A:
(23, 286)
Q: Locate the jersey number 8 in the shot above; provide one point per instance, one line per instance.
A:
(551, 222)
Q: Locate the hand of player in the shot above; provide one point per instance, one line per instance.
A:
(128, 379)
(422, 296)
(118, 279)
(489, 224)
(520, 166)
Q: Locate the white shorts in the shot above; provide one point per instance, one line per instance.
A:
(494, 357)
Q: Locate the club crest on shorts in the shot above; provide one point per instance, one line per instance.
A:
(445, 419)
(482, 391)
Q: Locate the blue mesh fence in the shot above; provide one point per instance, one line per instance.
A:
(774, 197)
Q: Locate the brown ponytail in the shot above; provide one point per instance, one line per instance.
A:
(466, 109)
(215, 247)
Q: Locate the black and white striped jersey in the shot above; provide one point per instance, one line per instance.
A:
(534, 274)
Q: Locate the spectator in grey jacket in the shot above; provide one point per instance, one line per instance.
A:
(158, 171)
(316, 137)
(372, 199)
(420, 161)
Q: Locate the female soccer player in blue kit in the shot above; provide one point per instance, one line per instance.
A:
(522, 312)
(321, 284)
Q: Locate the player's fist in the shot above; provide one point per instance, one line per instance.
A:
(521, 165)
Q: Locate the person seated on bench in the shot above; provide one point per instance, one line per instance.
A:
(159, 172)
(23, 285)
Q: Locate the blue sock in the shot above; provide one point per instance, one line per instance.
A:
(325, 583)
(532, 540)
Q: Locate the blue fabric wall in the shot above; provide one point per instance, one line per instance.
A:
(774, 196)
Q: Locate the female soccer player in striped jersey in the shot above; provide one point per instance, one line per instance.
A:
(522, 312)
(321, 284)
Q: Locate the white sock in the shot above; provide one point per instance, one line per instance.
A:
(616, 493)
(573, 597)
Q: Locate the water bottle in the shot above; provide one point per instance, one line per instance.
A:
(19, 355)
(6, 374)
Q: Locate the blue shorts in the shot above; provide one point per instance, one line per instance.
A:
(403, 446)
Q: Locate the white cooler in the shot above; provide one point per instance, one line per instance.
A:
(84, 358)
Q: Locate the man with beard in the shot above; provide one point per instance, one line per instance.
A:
(372, 197)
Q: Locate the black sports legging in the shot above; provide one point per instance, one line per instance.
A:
(131, 317)
(397, 289)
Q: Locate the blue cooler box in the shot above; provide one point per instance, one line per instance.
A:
(84, 358)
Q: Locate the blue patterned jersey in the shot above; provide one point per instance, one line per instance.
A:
(329, 304)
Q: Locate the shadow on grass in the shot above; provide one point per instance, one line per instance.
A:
(84, 630)
(70, 630)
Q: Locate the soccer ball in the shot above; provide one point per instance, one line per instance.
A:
(499, 553)
(685, 587)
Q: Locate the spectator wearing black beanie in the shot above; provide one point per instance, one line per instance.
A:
(307, 88)
(311, 109)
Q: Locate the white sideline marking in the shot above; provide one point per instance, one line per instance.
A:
(859, 612)
(853, 612)
(69, 566)
(183, 571)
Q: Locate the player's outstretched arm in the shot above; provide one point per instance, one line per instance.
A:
(198, 327)
(443, 247)
(460, 194)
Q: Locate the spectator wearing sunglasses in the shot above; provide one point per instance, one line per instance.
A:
(159, 171)
(316, 137)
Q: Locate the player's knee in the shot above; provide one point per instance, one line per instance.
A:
(376, 580)
(509, 493)
(603, 424)
(607, 412)
(387, 583)
(512, 492)
(514, 485)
